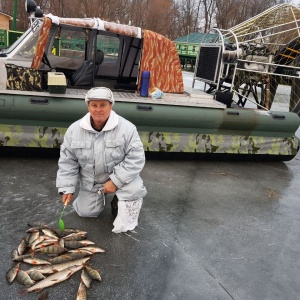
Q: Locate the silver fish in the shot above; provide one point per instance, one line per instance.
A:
(69, 257)
(45, 243)
(36, 242)
(67, 231)
(14, 254)
(21, 257)
(78, 244)
(22, 247)
(12, 272)
(36, 261)
(50, 233)
(34, 235)
(93, 273)
(23, 278)
(81, 294)
(55, 278)
(86, 279)
(61, 243)
(92, 249)
(32, 229)
(77, 255)
(77, 236)
(80, 250)
(48, 269)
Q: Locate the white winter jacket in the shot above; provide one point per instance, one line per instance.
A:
(116, 153)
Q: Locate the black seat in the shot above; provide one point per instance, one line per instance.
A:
(84, 75)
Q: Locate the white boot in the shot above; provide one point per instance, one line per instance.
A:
(128, 215)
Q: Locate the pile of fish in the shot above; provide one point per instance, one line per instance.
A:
(46, 257)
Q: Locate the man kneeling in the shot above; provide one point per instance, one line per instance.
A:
(105, 152)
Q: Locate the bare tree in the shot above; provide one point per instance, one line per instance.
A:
(232, 12)
(209, 7)
(158, 16)
(188, 15)
(172, 18)
(225, 14)
(137, 11)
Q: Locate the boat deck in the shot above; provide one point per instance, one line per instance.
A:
(191, 97)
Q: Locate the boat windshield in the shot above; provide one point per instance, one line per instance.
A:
(35, 27)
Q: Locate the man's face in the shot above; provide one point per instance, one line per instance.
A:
(99, 110)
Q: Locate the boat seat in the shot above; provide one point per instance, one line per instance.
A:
(84, 75)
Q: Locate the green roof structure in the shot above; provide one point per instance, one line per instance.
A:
(197, 38)
(188, 46)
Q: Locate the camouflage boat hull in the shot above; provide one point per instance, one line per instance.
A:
(52, 137)
(40, 120)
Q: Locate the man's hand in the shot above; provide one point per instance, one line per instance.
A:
(109, 187)
(67, 198)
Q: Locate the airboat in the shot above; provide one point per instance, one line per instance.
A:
(241, 112)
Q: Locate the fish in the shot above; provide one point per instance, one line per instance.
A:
(45, 243)
(51, 249)
(86, 279)
(61, 243)
(65, 232)
(77, 236)
(23, 278)
(80, 250)
(55, 278)
(48, 269)
(39, 240)
(92, 249)
(50, 233)
(14, 254)
(21, 257)
(81, 293)
(36, 275)
(77, 255)
(78, 244)
(32, 229)
(71, 251)
(68, 257)
(36, 261)
(61, 259)
(22, 247)
(93, 273)
(68, 231)
(34, 235)
(12, 272)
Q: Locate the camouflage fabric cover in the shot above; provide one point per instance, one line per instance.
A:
(52, 137)
(217, 143)
(24, 79)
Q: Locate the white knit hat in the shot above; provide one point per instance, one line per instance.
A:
(100, 93)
